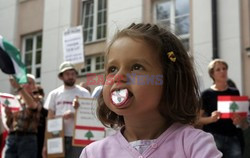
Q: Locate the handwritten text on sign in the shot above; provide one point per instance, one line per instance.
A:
(73, 45)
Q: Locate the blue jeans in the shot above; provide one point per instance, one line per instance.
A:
(21, 146)
(229, 146)
(71, 151)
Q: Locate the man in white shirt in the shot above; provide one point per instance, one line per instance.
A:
(59, 103)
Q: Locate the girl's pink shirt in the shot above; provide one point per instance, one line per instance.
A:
(178, 141)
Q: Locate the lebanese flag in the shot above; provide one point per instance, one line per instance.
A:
(84, 135)
(10, 101)
(230, 105)
(10, 61)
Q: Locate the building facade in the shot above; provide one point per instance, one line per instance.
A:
(36, 28)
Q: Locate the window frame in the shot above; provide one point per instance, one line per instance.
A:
(34, 51)
(95, 22)
(93, 64)
(172, 18)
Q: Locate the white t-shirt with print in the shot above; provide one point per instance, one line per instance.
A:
(60, 101)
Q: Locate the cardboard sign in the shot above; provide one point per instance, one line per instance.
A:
(73, 45)
(230, 105)
(55, 138)
(87, 126)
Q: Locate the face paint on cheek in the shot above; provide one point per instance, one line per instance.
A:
(109, 80)
(119, 97)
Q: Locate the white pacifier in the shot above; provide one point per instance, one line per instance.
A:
(118, 97)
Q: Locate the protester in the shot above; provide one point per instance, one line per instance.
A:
(150, 91)
(59, 103)
(38, 95)
(22, 141)
(227, 136)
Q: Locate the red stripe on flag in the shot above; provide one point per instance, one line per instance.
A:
(14, 109)
(90, 128)
(232, 98)
(8, 97)
(231, 114)
(83, 142)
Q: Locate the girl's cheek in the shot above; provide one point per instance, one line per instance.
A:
(106, 94)
(109, 80)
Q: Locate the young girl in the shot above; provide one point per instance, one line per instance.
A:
(151, 93)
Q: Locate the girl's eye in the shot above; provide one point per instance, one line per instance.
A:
(112, 69)
(137, 67)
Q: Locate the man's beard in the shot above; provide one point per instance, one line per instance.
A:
(69, 83)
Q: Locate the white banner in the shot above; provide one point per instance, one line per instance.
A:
(73, 45)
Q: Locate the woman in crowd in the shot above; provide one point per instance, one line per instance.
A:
(227, 136)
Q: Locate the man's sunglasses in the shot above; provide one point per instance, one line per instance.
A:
(35, 92)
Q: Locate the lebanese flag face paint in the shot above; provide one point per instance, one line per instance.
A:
(230, 105)
(119, 97)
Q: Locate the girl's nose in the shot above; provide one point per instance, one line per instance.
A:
(120, 76)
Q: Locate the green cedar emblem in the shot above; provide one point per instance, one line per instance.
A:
(89, 135)
(6, 102)
(234, 107)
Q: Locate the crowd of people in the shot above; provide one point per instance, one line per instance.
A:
(156, 119)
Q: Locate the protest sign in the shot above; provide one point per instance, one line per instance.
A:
(73, 45)
(87, 127)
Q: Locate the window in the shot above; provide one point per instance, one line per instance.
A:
(87, 68)
(174, 14)
(93, 64)
(32, 54)
(94, 19)
(99, 63)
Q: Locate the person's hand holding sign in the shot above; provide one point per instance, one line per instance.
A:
(215, 116)
(76, 103)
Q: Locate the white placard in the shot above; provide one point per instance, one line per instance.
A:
(87, 126)
(55, 145)
(55, 124)
(86, 113)
(73, 45)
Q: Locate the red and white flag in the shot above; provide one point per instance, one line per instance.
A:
(9, 100)
(230, 105)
